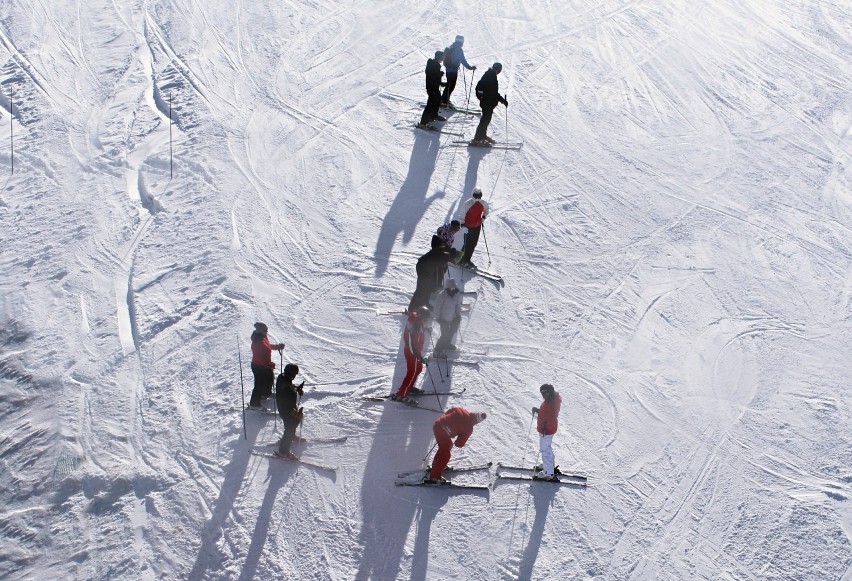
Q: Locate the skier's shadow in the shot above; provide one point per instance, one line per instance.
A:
(543, 495)
(429, 509)
(279, 473)
(411, 202)
(234, 476)
(475, 156)
(403, 435)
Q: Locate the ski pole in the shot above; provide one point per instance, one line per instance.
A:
(242, 387)
(484, 239)
(437, 360)
(472, 77)
(434, 387)
(507, 117)
(429, 453)
(529, 433)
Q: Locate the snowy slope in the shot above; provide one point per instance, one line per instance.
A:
(675, 236)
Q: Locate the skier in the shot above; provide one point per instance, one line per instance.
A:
(473, 212)
(286, 397)
(486, 92)
(546, 426)
(447, 233)
(448, 314)
(262, 366)
(455, 423)
(453, 57)
(414, 339)
(433, 90)
(430, 274)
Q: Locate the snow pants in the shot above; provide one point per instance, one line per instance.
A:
(545, 444)
(264, 377)
(484, 122)
(448, 331)
(413, 368)
(471, 239)
(442, 456)
(433, 104)
(290, 425)
(450, 86)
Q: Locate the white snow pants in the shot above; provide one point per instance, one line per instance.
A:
(546, 446)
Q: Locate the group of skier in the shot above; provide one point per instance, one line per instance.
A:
(287, 393)
(487, 90)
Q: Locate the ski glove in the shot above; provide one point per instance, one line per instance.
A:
(424, 360)
(535, 410)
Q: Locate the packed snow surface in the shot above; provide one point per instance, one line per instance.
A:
(675, 237)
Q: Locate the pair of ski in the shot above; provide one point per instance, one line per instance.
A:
(432, 129)
(410, 403)
(479, 272)
(525, 474)
(484, 145)
(275, 456)
(424, 472)
(263, 450)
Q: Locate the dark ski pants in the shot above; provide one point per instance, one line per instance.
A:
(264, 377)
(484, 122)
(290, 425)
(433, 104)
(451, 85)
(448, 331)
(471, 239)
(442, 456)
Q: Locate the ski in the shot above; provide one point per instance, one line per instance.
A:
(470, 362)
(301, 440)
(264, 411)
(531, 479)
(444, 485)
(479, 272)
(453, 355)
(453, 469)
(497, 145)
(570, 478)
(434, 129)
(502, 466)
(387, 397)
(297, 461)
(381, 312)
(464, 110)
(379, 399)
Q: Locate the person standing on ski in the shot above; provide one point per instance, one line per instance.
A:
(448, 314)
(447, 233)
(456, 423)
(262, 366)
(487, 92)
(473, 212)
(433, 90)
(548, 412)
(414, 339)
(287, 398)
(453, 58)
(430, 274)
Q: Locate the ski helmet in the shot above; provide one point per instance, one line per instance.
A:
(477, 193)
(439, 54)
(261, 327)
(459, 39)
(547, 390)
(423, 313)
(480, 416)
(497, 67)
(291, 370)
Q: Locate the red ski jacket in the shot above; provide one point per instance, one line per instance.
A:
(475, 214)
(547, 414)
(457, 422)
(415, 335)
(261, 350)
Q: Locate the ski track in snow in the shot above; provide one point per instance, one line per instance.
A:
(674, 238)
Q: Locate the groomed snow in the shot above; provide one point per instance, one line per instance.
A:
(675, 236)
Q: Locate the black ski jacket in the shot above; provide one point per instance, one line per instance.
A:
(486, 90)
(433, 76)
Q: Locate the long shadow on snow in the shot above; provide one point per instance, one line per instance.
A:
(475, 156)
(543, 494)
(411, 203)
(208, 556)
(403, 436)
